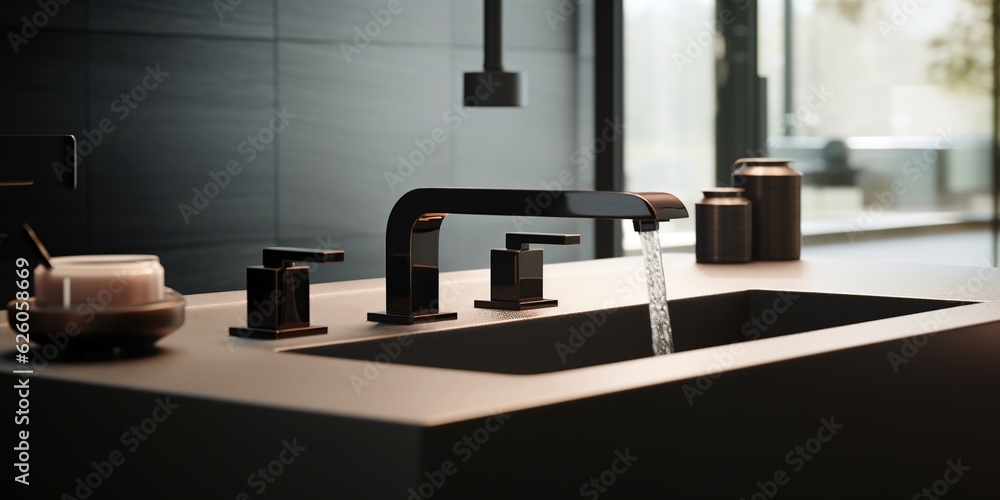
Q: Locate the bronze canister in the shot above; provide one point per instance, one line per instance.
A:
(775, 190)
(722, 226)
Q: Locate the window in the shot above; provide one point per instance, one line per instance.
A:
(669, 105)
(887, 111)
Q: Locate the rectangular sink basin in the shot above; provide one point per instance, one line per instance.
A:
(579, 340)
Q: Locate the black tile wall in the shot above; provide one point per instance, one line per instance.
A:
(181, 137)
(355, 121)
(25, 15)
(332, 175)
(216, 267)
(43, 89)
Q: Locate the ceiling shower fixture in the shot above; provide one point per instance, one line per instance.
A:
(494, 87)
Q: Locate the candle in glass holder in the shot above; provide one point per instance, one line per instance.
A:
(100, 280)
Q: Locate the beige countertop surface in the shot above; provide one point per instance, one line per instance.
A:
(202, 360)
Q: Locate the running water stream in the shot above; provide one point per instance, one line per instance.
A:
(659, 315)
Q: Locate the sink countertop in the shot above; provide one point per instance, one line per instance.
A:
(202, 360)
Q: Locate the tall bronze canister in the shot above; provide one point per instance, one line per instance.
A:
(722, 226)
(775, 190)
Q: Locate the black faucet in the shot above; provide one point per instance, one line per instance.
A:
(411, 235)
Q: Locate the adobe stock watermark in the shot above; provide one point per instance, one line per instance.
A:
(424, 148)
(953, 472)
(610, 132)
(463, 450)
(581, 159)
(30, 25)
(392, 348)
(751, 330)
(796, 459)
(910, 346)
(565, 10)
(454, 117)
(86, 311)
(914, 169)
(804, 114)
(380, 20)
(265, 475)
(223, 7)
(218, 181)
(121, 108)
(704, 40)
(900, 14)
(132, 439)
(22, 418)
(596, 485)
(623, 288)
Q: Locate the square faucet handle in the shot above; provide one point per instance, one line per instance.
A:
(282, 257)
(521, 241)
(516, 272)
(278, 294)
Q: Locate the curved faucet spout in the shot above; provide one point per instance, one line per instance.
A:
(411, 237)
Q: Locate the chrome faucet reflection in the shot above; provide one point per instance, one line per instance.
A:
(411, 236)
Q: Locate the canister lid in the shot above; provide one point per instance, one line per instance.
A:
(762, 162)
(724, 192)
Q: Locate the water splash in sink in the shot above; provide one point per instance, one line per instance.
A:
(659, 315)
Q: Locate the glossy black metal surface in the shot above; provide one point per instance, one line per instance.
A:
(411, 236)
(288, 256)
(609, 108)
(723, 227)
(516, 280)
(775, 190)
(494, 87)
(521, 241)
(278, 294)
(31, 159)
(492, 35)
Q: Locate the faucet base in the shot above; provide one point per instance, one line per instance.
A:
(282, 333)
(409, 319)
(510, 305)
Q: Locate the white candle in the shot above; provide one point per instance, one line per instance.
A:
(100, 280)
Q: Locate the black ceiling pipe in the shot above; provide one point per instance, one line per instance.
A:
(494, 87)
